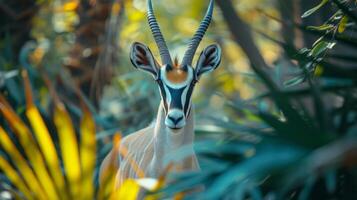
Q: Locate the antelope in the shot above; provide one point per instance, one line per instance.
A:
(174, 126)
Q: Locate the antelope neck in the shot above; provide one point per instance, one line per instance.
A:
(166, 141)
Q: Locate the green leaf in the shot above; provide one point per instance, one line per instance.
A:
(323, 27)
(314, 9)
(321, 47)
(342, 24)
(294, 81)
(271, 158)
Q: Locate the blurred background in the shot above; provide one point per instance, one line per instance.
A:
(280, 110)
(80, 38)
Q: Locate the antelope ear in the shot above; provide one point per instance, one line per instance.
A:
(142, 58)
(209, 60)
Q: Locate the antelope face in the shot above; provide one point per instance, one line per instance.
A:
(176, 86)
(176, 81)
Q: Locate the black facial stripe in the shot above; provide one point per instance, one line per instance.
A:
(188, 97)
(163, 94)
(176, 97)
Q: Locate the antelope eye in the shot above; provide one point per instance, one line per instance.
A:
(168, 67)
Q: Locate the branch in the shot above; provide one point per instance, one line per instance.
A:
(243, 37)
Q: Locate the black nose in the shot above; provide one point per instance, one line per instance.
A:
(175, 120)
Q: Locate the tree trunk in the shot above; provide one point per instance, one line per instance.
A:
(242, 34)
(95, 43)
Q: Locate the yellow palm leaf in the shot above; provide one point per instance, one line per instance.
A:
(69, 149)
(129, 190)
(87, 153)
(44, 139)
(22, 166)
(15, 178)
(29, 145)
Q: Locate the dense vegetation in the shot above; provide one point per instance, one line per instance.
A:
(281, 120)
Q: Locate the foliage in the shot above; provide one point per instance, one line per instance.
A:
(295, 140)
(301, 148)
(32, 162)
(31, 177)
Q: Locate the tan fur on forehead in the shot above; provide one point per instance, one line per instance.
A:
(176, 75)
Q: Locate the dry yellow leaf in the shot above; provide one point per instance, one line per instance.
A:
(70, 6)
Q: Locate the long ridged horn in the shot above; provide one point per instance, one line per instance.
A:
(159, 38)
(195, 41)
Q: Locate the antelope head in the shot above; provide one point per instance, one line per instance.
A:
(176, 81)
